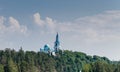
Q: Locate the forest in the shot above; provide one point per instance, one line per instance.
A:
(64, 61)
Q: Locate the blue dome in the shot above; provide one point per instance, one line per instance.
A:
(46, 47)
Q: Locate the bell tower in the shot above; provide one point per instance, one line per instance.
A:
(56, 43)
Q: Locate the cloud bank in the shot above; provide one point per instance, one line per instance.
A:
(100, 26)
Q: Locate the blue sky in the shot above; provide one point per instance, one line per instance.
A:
(90, 26)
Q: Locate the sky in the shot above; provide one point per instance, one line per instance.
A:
(89, 26)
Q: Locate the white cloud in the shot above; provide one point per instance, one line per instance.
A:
(50, 24)
(13, 25)
(47, 25)
(105, 23)
(49, 20)
(37, 19)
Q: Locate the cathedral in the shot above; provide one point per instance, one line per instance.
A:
(55, 49)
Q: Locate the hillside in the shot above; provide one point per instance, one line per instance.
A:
(65, 61)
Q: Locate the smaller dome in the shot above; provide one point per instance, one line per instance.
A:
(46, 45)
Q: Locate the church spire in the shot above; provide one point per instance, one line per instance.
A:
(57, 43)
(57, 37)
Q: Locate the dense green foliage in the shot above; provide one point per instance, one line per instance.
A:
(64, 61)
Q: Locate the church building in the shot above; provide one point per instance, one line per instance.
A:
(55, 49)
